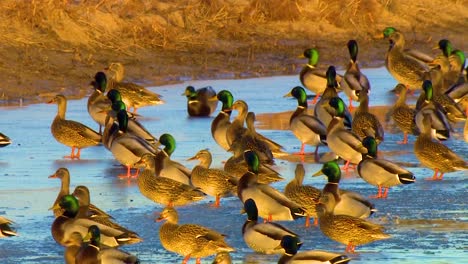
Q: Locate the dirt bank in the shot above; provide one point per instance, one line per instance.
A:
(57, 46)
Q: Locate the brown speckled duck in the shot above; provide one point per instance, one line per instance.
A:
(404, 117)
(364, 122)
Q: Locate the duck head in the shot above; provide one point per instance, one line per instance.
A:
(100, 82)
(169, 143)
(252, 160)
(93, 235)
(332, 170)
(353, 49)
(226, 98)
(313, 55)
(371, 145)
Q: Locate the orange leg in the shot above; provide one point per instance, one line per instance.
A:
(347, 165)
(186, 259)
(315, 99)
(350, 107)
(72, 154)
(379, 193)
(350, 248)
(307, 221)
(385, 194)
(405, 139)
(217, 202)
(316, 221)
(78, 154)
(441, 175)
(198, 260)
(129, 173)
(434, 177)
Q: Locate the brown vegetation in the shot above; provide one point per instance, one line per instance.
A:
(57, 46)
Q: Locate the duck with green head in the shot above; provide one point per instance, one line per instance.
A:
(381, 172)
(347, 202)
(404, 117)
(356, 80)
(307, 128)
(167, 167)
(221, 123)
(200, 102)
(98, 101)
(272, 204)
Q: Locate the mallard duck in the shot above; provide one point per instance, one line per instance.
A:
(128, 149)
(66, 224)
(304, 195)
(4, 140)
(346, 202)
(200, 101)
(435, 155)
(222, 258)
(356, 80)
(457, 64)
(237, 167)
(381, 172)
(322, 110)
(312, 78)
(133, 95)
(262, 237)
(72, 246)
(5, 228)
(189, 240)
(165, 166)
(292, 244)
(366, 123)
(92, 252)
(440, 125)
(404, 117)
(272, 204)
(345, 229)
(401, 63)
(162, 190)
(307, 128)
(237, 128)
(214, 182)
(64, 175)
(71, 133)
(98, 102)
(222, 121)
(344, 143)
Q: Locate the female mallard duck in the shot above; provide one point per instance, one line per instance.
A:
(292, 244)
(346, 202)
(165, 166)
(312, 78)
(435, 155)
(67, 223)
(272, 204)
(307, 128)
(356, 80)
(98, 102)
(303, 195)
(237, 167)
(4, 140)
(189, 240)
(262, 237)
(5, 228)
(439, 124)
(162, 190)
(133, 95)
(366, 123)
(237, 128)
(381, 172)
(404, 117)
(92, 252)
(200, 102)
(221, 123)
(64, 175)
(344, 143)
(71, 133)
(402, 65)
(128, 149)
(345, 229)
(214, 182)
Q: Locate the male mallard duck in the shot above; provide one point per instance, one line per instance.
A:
(4, 140)
(5, 228)
(303, 195)
(457, 64)
(214, 182)
(292, 244)
(341, 141)
(262, 237)
(221, 123)
(98, 101)
(346, 202)
(312, 78)
(162, 190)
(440, 125)
(66, 224)
(366, 123)
(435, 155)
(404, 117)
(356, 80)
(272, 204)
(403, 66)
(92, 252)
(165, 166)
(237, 167)
(133, 95)
(71, 133)
(307, 128)
(345, 229)
(200, 101)
(381, 172)
(189, 240)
